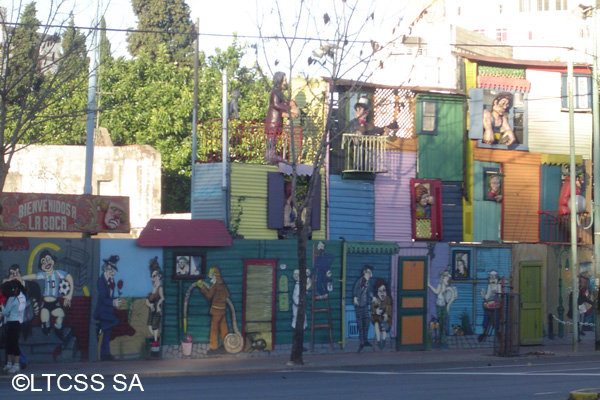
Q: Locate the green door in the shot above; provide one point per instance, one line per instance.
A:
(412, 303)
(530, 282)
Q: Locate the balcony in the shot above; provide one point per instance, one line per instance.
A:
(364, 155)
(556, 229)
(247, 142)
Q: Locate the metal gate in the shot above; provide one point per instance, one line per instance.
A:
(506, 339)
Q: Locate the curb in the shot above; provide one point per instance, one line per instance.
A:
(585, 394)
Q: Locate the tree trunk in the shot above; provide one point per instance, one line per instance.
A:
(298, 339)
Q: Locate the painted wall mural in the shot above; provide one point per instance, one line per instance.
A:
(445, 295)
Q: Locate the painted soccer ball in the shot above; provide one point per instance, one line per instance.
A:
(64, 287)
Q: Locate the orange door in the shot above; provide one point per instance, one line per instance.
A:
(412, 303)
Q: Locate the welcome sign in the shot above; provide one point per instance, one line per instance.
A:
(38, 212)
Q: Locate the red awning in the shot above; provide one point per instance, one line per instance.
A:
(185, 233)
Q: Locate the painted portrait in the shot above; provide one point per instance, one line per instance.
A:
(461, 266)
(494, 185)
(189, 266)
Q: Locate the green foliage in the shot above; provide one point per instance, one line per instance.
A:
(163, 22)
(151, 102)
(465, 323)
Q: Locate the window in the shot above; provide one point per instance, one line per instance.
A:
(427, 110)
(524, 5)
(561, 5)
(426, 209)
(281, 212)
(501, 34)
(481, 102)
(582, 92)
(543, 5)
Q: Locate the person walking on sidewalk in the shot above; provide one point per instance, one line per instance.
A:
(11, 290)
(363, 297)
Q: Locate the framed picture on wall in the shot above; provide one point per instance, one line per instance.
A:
(461, 264)
(493, 188)
(189, 265)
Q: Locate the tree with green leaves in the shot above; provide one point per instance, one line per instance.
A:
(36, 79)
(151, 102)
(165, 22)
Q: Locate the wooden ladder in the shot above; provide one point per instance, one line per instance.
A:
(325, 308)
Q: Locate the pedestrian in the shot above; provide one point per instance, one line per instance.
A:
(11, 290)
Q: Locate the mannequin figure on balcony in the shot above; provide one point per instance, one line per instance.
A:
(278, 109)
(360, 125)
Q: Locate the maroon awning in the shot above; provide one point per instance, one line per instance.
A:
(185, 233)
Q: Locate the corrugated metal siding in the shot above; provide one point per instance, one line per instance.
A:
(230, 260)
(521, 202)
(487, 223)
(548, 126)
(208, 199)
(469, 299)
(441, 155)
(521, 192)
(392, 197)
(351, 209)
(250, 181)
(452, 218)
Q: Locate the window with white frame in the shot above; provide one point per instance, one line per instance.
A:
(582, 92)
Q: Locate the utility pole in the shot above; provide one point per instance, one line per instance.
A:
(195, 113)
(572, 205)
(91, 107)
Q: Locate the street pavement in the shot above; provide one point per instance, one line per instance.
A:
(247, 363)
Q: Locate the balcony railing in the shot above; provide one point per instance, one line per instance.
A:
(364, 153)
(247, 142)
(555, 228)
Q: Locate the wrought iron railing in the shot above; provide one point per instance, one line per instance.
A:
(556, 228)
(247, 142)
(364, 153)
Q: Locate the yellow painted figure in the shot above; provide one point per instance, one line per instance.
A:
(217, 293)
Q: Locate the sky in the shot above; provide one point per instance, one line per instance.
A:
(220, 19)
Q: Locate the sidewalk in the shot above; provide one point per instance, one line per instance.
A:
(245, 363)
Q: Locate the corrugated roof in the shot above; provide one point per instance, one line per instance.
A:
(372, 247)
(185, 233)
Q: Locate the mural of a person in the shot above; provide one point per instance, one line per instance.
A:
(495, 188)
(51, 305)
(114, 214)
(216, 293)
(321, 272)
(363, 297)
(585, 300)
(155, 300)
(445, 296)
(296, 298)
(105, 309)
(491, 305)
(278, 109)
(496, 129)
(462, 271)
(183, 266)
(381, 312)
(423, 201)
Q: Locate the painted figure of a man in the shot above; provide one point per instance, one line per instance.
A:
(363, 297)
(51, 305)
(105, 309)
(496, 129)
(217, 294)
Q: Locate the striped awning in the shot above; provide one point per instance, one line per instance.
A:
(372, 247)
(558, 159)
(504, 83)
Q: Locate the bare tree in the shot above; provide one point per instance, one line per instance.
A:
(37, 75)
(317, 41)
